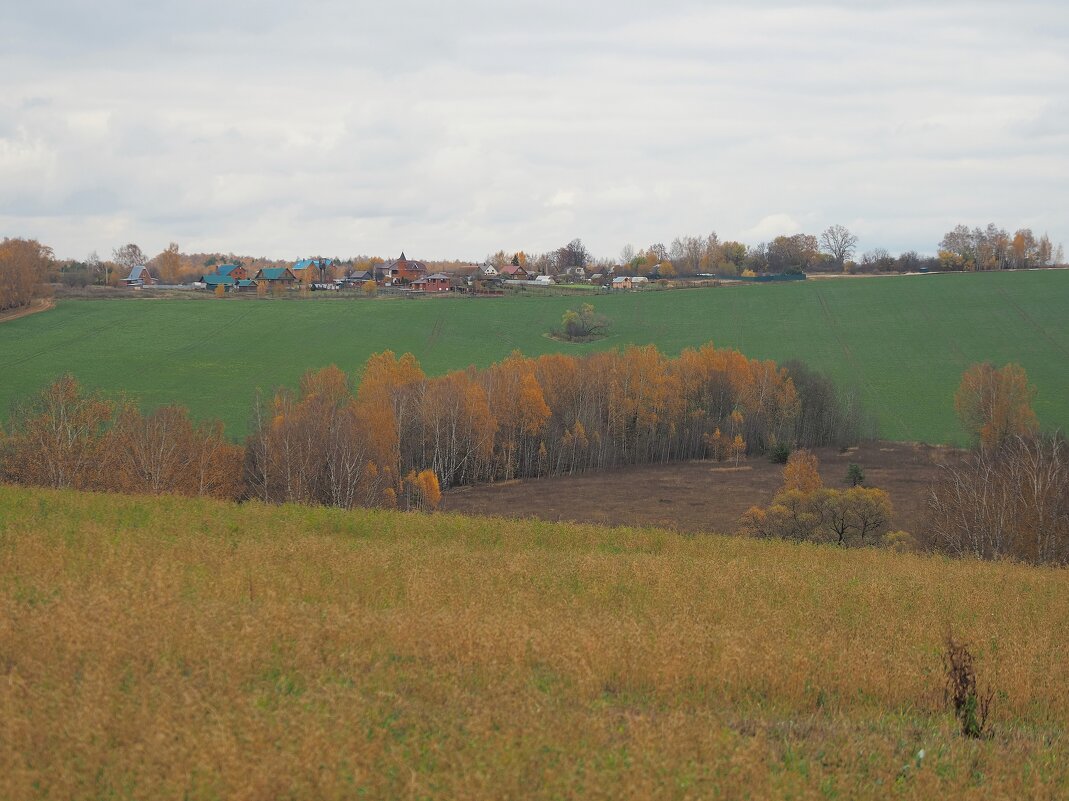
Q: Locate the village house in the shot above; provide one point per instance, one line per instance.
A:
(309, 271)
(245, 285)
(515, 272)
(275, 276)
(356, 278)
(400, 271)
(436, 282)
(235, 271)
(212, 280)
(622, 282)
(139, 276)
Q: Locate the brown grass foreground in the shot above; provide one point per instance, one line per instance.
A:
(176, 648)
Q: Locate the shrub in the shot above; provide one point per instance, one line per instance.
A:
(583, 325)
(779, 453)
(855, 476)
(971, 706)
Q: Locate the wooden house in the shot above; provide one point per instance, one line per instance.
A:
(515, 272)
(211, 280)
(235, 271)
(310, 271)
(139, 276)
(275, 276)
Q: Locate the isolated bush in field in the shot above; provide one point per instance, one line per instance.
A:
(1009, 501)
(995, 404)
(971, 707)
(583, 324)
(804, 510)
(850, 518)
(900, 541)
(855, 476)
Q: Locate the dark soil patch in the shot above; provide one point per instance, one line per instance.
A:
(701, 496)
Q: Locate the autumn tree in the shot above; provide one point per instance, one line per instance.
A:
(24, 265)
(583, 324)
(802, 472)
(995, 403)
(839, 243)
(169, 264)
(166, 452)
(56, 438)
(800, 251)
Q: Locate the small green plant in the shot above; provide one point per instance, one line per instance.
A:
(780, 453)
(855, 476)
(971, 706)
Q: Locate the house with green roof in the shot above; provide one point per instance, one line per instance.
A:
(275, 276)
(212, 280)
(235, 271)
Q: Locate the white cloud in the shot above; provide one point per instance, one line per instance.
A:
(455, 130)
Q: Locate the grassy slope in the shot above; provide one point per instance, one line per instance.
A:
(166, 648)
(903, 341)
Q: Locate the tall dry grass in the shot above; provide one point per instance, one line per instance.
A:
(188, 648)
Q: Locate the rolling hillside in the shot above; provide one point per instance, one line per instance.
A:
(170, 648)
(903, 341)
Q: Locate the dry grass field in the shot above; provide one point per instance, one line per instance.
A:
(189, 649)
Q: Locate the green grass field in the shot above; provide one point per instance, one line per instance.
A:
(903, 341)
(159, 647)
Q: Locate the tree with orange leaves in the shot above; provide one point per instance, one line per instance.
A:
(994, 404)
(801, 472)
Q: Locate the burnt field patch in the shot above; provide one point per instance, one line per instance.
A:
(696, 497)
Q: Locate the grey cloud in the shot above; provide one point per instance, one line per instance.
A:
(463, 128)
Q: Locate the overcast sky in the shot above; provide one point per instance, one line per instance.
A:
(453, 130)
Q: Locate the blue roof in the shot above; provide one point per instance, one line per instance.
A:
(305, 263)
(226, 269)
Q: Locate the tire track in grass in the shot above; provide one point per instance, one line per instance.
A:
(1035, 326)
(852, 362)
(951, 341)
(61, 344)
(167, 356)
(435, 334)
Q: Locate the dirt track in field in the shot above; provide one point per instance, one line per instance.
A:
(39, 305)
(700, 496)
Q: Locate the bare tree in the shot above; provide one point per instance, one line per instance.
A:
(129, 256)
(839, 242)
(1006, 502)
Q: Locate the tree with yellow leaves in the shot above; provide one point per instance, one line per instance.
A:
(802, 472)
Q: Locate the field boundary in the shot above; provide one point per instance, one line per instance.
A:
(39, 305)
